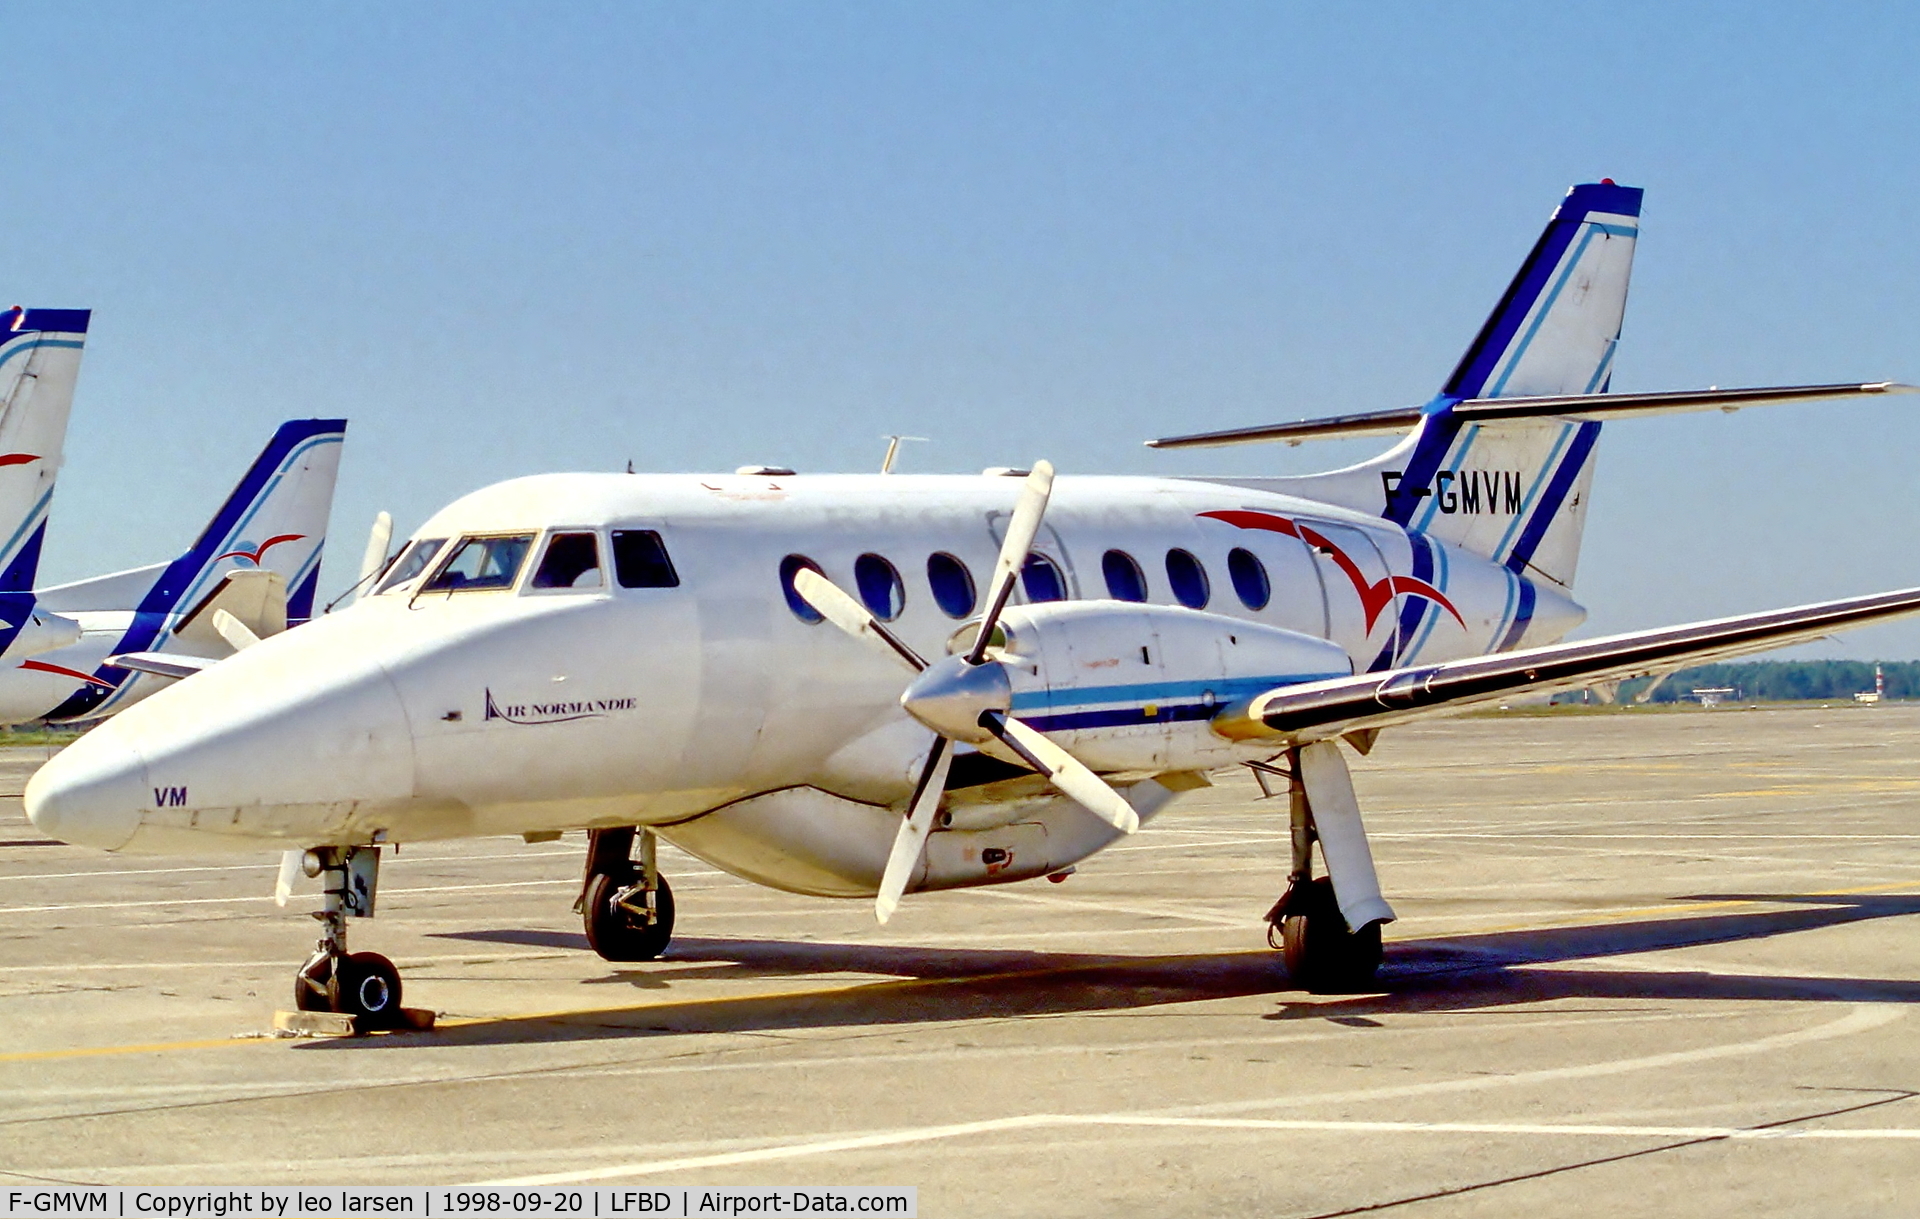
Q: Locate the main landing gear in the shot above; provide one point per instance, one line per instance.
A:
(625, 903)
(364, 985)
(1316, 932)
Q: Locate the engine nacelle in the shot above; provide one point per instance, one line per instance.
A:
(43, 632)
(1127, 687)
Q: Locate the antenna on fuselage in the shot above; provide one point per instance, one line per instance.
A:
(893, 450)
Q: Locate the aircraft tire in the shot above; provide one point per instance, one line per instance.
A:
(1321, 954)
(315, 995)
(618, 934)
(366, 986)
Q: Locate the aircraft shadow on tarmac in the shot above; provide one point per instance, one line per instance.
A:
(1448, 973)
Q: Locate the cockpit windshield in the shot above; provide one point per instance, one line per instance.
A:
(482, 563)
(412, 561)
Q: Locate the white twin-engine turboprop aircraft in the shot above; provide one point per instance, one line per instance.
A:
(855, 685)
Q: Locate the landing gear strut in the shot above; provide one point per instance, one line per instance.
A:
(364, 985)
(1322, 953)
(625, 903)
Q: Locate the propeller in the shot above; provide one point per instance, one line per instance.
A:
(375, 557)
(967, 698)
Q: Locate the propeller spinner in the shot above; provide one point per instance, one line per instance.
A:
(967, 698)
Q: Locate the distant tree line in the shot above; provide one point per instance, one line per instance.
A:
(1783, 680)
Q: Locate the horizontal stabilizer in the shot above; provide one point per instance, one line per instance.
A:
(254, 598)
(1322, 709)
(1582, 407)
(162, 664)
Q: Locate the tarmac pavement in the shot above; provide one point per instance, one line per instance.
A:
(1647, 964)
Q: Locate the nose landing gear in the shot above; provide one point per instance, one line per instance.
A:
(625, 903)
(364, 985)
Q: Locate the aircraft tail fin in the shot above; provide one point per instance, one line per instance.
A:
(1511, 485)
(274, 520)
(39, 365)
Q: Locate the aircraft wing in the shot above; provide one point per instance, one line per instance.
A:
(161, 664)
(1320, 710)
(1565, 406)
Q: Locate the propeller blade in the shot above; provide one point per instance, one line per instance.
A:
(850, 616)
(375, 557)
(914, 828)
(1022, 527)
(1063, 770)
(289, 871)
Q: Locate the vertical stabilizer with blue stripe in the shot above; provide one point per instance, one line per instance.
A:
(39, 365)
(1515, 491)
(275, 519)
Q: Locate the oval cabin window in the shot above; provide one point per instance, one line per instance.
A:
(1188, 578)
(1042, 579)
(952, 585)
(1249, 578)
(790, 567)
(879, 586)
(1125, 582)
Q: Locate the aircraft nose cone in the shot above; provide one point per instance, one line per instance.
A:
(90, 794)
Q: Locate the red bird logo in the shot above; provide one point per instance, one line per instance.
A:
(1375, 596)
(253, 556)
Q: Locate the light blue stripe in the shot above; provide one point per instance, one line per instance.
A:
(187, 599)
(1568, 266)
(1533, 493)
(38, 514)
(1606, 365)
(1431, 618)
(1506, 611)
(1224, 691)
(1467, 436)
(16, 349)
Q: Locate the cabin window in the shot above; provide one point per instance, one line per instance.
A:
(1125, 582)
(572, 561)
(879, 586)
(1249, 578)
(482, 563)
(952, 585)
(1042, 579)
(790, 567)
(1188, 578)
(412, 561)
(640, 560)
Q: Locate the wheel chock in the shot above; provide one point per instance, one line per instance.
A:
(339, 1024)
(313, 1024)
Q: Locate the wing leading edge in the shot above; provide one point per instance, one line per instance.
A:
(1324, 709)
(1585, 407)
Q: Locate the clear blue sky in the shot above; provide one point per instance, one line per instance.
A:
(527, 237)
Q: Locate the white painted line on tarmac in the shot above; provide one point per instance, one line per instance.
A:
(1031, 1121)
(267, 897)
(1862, 1019)
(1085, 907)
(463, 958)
(1665, 837)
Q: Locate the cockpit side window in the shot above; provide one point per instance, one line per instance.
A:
(572, 560)
(412, 561)
(640, 560)
(482, 563)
